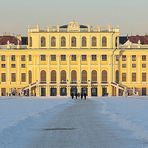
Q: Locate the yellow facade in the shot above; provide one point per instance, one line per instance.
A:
(99, 64)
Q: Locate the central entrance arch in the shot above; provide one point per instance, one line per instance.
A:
(73, 90)
(84, 90)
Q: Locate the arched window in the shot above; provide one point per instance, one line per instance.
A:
(116, 42)
(73, 76)
(63, 76)
(43, 76)
(63, 41)
(53, 42)
(43, 41)
(84, 76)
(53, 76)
(94, 76)
(94, 41)
(30, 76)
(84, 42)
(104, 41)
(30, 43)
(73, 42)
(117, 76)
(104, 76)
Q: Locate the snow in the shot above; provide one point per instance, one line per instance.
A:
(129, 113)
(20, 115)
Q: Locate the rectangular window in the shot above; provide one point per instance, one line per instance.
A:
(3, 77)
(104, 57)
(3, 58)
(23, 58)
(143, 57)
(3, 65)
(133, 65)
(23, 77)
(73, 58)
(13, 77)
(117, 57)
(143, 65)
(144, 77)
(84, 58)
(123, 65)
(13, 66)
(30, 57)
(53, 57)
(12, 57)
(63, 57)
(123, 77)
(23, 65)
(94, 57)
(134, 77)
(43, 57)
(133, 57)
(123, 57)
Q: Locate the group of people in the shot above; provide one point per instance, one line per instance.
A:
(77, 95)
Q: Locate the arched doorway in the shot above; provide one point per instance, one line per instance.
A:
(84, 90)
(63, 91)
(73, 90)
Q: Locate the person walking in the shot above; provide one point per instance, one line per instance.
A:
(76, 95)
(85, 96)
(81, 96)
(72, 95)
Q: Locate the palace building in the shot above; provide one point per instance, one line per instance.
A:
(59, 60)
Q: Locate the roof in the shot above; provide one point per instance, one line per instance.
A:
(123, 39)
(12, 40)
(134, 39)
(66, 26)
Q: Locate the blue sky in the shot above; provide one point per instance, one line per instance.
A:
(130, 15)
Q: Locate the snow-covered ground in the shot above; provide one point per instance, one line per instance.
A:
(129, 113)
(18, 116)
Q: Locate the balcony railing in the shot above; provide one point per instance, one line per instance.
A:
(53, 82)
(42, 82)
(63, 82)
(84, 82)
(104, 82)
(73, 82)
(94, 82)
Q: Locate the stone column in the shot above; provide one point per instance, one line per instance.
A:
(29, 90)
(47, 91)
(117, 90)
(109, 90)
(58, 75)
(68, 91)
(89, 75)
(79, 73)
(99, 90)
(68, 75)
(37, 90)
